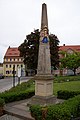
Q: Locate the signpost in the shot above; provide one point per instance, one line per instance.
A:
(19, 74)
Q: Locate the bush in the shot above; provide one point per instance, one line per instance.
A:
(23, 86)
(62, 111)
(20, 92)
(64, 94)
(36, 112)
(2, 102)
(16, 96)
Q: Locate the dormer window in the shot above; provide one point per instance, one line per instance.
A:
(70, 51)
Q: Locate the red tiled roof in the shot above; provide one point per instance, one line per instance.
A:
(67, 47)
(12, 52)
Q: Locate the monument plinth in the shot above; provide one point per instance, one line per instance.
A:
(44, 78)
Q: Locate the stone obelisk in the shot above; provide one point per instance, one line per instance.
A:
(43, 79)
(44, 62)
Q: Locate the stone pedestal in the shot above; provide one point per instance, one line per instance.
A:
(43, 101)
(43, 91)
(44, 85)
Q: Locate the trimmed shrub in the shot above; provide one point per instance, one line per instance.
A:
(64, 94)
(16, 96)
(20, 92)
(63, 111)
(36, 112)
(2, 102)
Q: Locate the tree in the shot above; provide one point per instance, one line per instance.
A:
(54, 49)
(29, 49)
(71, 61)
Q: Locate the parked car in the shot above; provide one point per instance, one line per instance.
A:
(1, 76)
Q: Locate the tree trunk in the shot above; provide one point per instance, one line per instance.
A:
(74, 70)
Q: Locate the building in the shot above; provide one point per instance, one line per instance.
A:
(1, 68)
(12, 58)
(68, 49)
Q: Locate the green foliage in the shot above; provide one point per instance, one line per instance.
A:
(71, 61)
(58, 112)
(65, 94)
(20, 92)
(23, 86)
(62, 111)
(29, 49)
(36, 112)
(16, 96)
(2, 102)
(54, 42)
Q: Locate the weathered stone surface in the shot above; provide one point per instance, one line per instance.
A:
(44, 18)
(44, 62)
(44, 88)
(43, 79)
(48, 100)
(9, 117)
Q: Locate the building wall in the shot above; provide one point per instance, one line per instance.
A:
(1, 69)
(8, 64)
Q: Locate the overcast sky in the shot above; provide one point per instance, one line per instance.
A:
(18, 18)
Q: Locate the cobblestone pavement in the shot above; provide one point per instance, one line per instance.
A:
(9, 117)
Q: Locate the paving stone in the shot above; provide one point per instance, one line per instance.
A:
(9, 117)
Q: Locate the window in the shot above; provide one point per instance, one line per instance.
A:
(10, 72)
(17, 65)
(10, 59)
(13, 72)
(6, 66)
(13, 66)
(7, 72)
(10, 66)
(21, 65)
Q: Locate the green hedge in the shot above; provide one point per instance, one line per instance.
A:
(2, 102)
(36, 112)
(20, 92)
(64, 94)
(16, 96)
(63, 111)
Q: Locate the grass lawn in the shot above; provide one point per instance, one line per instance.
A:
(70, 86)
(58, 84)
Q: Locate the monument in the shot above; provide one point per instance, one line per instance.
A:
(44, 78)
